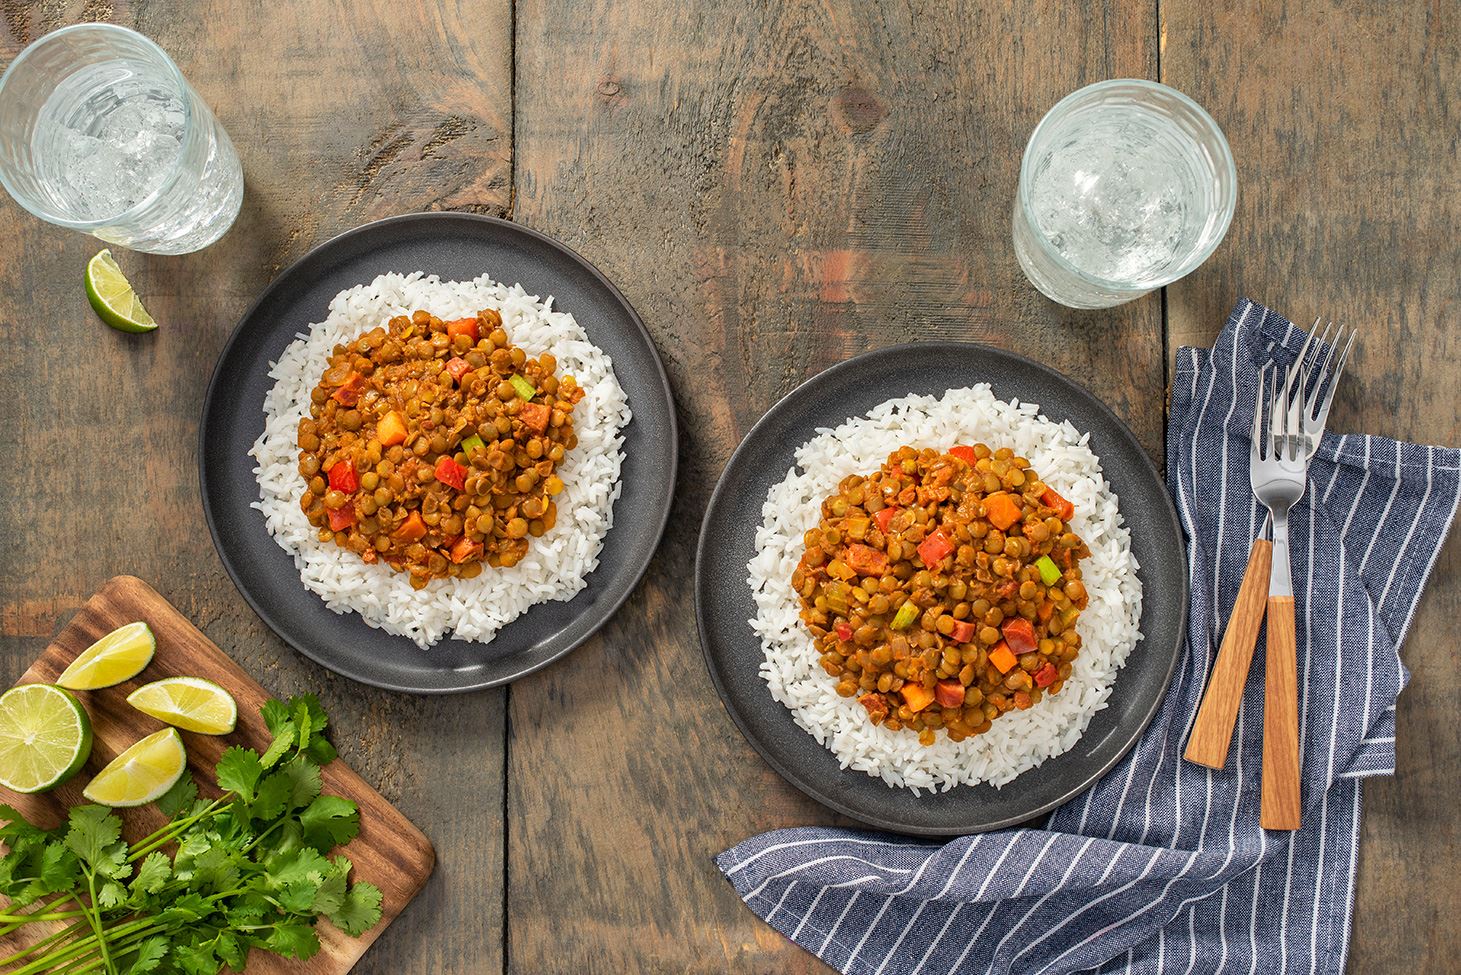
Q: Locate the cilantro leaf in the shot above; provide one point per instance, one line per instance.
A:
(195, 958)
(155, 871)
(17, 828)
(320, 751)
(283, 741)
(231, 950)
(94, 835)
(57, 868)
(111, 894)
(330, 897)
(238, 771)
(329, 821)
(293, 941)
(273, 794)
(150, 954)
(304, 781)
(182, 795)
(302, 726)
(276, 714)
(304, 865)
(360, 911)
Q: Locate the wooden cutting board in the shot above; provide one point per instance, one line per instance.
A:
(389, 851)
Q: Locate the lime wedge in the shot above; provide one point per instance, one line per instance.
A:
(45, 737)
(189, 703)
(118, 656)
(142, 773)
(112, 297)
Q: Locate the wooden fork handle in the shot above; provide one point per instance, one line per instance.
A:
(1213, 730)
(1279, 807)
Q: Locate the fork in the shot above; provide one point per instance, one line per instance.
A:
(1278, 472)
(1212, 728)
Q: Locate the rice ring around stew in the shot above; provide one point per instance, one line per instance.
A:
(1019, 740)
(557, 564)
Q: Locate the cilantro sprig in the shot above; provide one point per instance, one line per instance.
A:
(249, 869)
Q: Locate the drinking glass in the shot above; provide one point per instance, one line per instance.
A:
(1126, 186)
(100, 132)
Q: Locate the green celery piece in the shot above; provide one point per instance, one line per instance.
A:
(472, 443)
(524, 388)
(907, 613)
(1049, 573)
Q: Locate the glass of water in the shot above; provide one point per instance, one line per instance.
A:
(100, 132)
(1126, 186)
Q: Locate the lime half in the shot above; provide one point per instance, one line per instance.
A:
(189, 703)
(142, 773)
(112, 297)
(120, 655)
(45, 737)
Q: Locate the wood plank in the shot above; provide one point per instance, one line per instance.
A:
(776, 187)
(1342, 121)
(341, 114)
(389, 852)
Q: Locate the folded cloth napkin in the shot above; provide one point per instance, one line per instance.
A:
(1161, 867)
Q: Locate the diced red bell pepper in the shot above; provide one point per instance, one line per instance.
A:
(344, 478)
(935, 548)
(1019, 633)
(1045, 676)
(964, 453)
(413, 529)
(464, 548)
(962, 632)
(462, 326)
(949, 693)
(884, 517)
(1063, 508)
(866, 560)
(458, 368)
(535, 417)
(877, 707)
(341, 518)
(450, 473)
(844, 632)
(349, 392)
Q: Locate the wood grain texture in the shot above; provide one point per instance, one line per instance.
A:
(341, 112)
(1280, 798)
(775, 187)
(389, 851)
(1212, 729)
(1343, 121)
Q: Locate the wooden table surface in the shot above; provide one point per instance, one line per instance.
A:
(775, 186)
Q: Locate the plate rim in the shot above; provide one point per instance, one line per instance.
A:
(672, 471)
(831, 802)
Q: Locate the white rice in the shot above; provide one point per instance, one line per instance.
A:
(556, 565)
(1018, 740)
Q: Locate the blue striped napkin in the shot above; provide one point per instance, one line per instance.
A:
(1161, 867)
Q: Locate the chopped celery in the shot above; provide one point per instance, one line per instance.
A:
(907, 613)
(524, 388)
(1049, 573)
(472, 443)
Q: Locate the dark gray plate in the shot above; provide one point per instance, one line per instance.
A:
(723, 601)
(454, 246)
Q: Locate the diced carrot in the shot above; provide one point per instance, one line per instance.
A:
(916, 696)
(1046, 610)
(464, 548)
(1002, 510)
(535, 417)
(462, 326)
(884, 517)
(935, 548)
(949, 693)
(866, 560)
(391, 429)
(343, 477)
(1001, 657)
(962, 632)
(349, 392)
(1063, 508)
(450, 473)
(341, 518)
(413, 529)
(964, 453)
(1023, 701)
(458, 367)
(1045, 676)
(844, 632)
(1019, 634)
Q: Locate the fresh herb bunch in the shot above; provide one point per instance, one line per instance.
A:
(250, 869)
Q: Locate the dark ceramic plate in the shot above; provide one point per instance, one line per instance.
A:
(454, 246)
(723, 601)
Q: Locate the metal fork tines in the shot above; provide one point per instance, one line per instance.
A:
(1278, 469)
(1320, 378)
